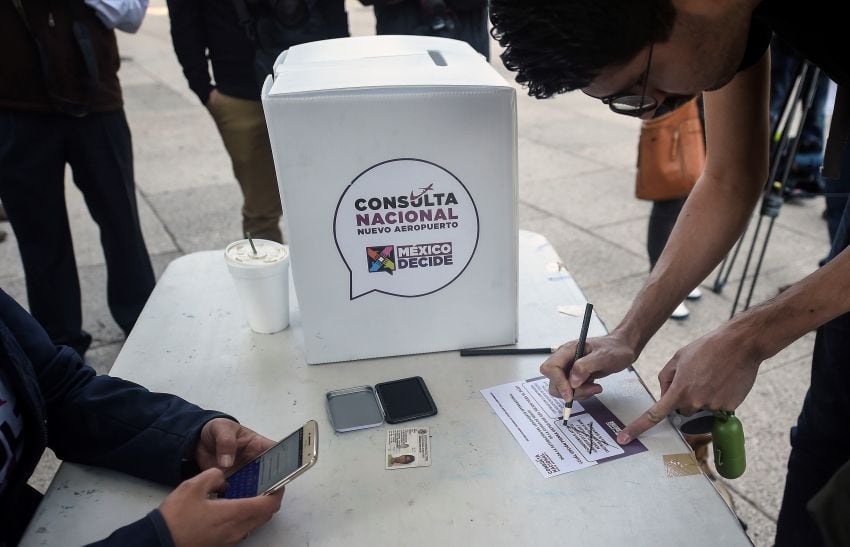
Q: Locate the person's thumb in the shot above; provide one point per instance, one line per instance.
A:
(224, 434)
(211, 480)
(648, 419)
(583, 369)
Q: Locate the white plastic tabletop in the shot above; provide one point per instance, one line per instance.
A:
(481, 489)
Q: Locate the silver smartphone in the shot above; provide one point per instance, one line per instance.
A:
(277, 466)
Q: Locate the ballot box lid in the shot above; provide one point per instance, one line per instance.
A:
(372, 62)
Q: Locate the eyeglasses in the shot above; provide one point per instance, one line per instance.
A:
(636, 106)
(629, 104)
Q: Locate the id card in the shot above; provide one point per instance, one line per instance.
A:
(408, 447)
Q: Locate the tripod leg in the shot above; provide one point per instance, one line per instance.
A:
(758, 265)
(772, 199)
(746, 268)
(778, 144)
(718, 283)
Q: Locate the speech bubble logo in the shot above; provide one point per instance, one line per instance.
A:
(405, 227)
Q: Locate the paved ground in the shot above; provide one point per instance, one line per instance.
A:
(576, 187)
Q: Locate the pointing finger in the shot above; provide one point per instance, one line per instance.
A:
(648, 419)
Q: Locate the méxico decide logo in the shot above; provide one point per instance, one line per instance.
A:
(416, 223)
(390, 258)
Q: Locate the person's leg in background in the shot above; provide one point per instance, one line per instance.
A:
(661, 221)
(242, 126)
(100, 153)
(426, 18)
(475, 29)
(32, 188)
(819, 444)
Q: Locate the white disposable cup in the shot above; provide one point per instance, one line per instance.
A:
(262, 282)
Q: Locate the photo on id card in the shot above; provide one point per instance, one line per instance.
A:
(408, 447)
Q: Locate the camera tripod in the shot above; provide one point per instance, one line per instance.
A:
(783, 150)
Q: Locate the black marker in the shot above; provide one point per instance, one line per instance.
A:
(585, 324)
(472, 352)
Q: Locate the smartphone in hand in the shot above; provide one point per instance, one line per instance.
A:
(270, 471)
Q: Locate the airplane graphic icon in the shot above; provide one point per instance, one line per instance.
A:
(424, 191)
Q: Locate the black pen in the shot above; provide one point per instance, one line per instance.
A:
(585, 324)
(472, 352)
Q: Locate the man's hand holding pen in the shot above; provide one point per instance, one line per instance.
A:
(602, 356)
(714, 372)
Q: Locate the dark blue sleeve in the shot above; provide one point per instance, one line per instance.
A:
(103, 420)
(150, 531)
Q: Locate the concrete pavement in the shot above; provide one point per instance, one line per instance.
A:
(576, 188)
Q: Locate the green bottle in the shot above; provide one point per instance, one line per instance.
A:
(727, 433)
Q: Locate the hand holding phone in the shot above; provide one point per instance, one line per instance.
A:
(270, 471)
(193, 518)
(224, 443)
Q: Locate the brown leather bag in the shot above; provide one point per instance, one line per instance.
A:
(671, 154)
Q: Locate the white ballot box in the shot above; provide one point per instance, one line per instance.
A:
(397, 165)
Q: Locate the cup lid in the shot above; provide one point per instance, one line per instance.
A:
(241, 253)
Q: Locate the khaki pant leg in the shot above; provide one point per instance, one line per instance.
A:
(243, 129)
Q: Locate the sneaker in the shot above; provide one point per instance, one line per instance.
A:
(681, 312)
(695, 294)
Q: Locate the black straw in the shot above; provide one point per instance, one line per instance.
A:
(251, 241)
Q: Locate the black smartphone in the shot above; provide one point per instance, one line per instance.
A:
(405, 399)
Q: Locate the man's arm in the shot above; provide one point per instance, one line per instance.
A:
(190, 44)
(126, 15)
(718, 208)
(102, 420)
(718, 370)
(715, 214)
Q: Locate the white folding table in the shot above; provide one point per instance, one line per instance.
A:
(192, 340)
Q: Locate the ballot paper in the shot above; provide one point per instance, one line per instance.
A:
(535, 419)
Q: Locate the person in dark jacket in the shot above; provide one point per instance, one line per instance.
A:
(50, 398)
(211, 32)
(60, 103)
(464, 20)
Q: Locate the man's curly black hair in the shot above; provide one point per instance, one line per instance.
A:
(561, 45)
